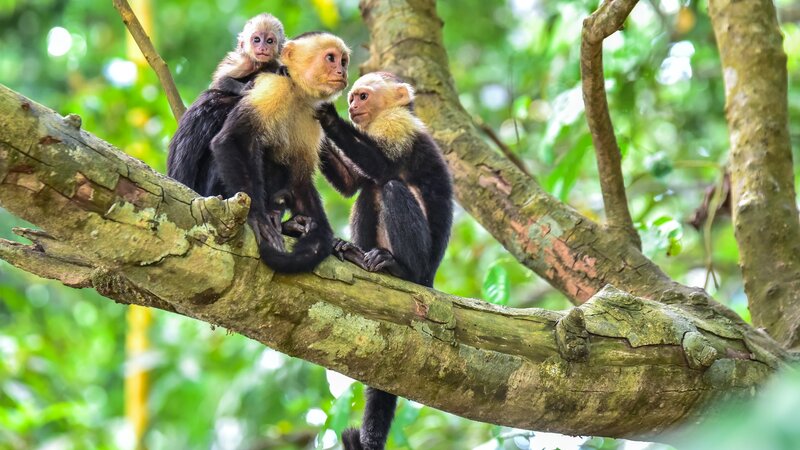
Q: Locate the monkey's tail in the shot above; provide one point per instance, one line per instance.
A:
(307, 253)
(378, 416)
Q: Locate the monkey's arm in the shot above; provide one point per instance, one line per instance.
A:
(355, 145)
(234, 150)
(338, 170)
(231, 85)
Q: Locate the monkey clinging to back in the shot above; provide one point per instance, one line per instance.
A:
(402, 216)
(257, 51)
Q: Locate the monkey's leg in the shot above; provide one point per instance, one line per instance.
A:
(408, 232)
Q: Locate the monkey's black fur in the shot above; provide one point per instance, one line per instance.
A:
(243, 162)
(189, 160)
(418, 228)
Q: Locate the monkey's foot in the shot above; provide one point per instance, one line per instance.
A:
(298, 226)
(379, 259)
(345, 250)
(267, 234)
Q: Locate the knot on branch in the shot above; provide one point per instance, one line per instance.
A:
(121, 290)
(73, 120)
(572, 337)
(225, 217)
(699, 352)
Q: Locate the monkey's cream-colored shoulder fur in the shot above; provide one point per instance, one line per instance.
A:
(395, 128)
(234, 65)
(286, 118)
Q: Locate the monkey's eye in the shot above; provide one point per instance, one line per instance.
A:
(344, 62)
(330, 57)
(270, 41)
(256, 39)
(363, 96)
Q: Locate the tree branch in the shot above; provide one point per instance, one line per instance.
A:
(153, 58)
(608, 18)
(488, 131)
(765, 214)
(141, 238)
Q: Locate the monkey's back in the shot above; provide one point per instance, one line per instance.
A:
(190, 161)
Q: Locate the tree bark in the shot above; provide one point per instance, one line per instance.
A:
(616, 366)
(765, 214)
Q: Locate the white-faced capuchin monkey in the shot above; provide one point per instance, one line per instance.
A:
(402, 216)
(269, 148)
(257, 50)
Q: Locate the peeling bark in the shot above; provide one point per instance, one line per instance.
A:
(765, 214)
(616, 366)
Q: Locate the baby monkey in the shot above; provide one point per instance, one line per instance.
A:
(402, 216)
(257, 51)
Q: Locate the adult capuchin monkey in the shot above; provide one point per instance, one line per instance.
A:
(269, 148)
(257, 50)
(402, 216)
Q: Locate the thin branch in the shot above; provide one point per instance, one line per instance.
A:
(151, 55)
(608, 18)
(505, 149)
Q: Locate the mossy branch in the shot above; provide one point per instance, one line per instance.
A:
(616, 366)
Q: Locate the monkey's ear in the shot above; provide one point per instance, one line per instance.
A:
(402, 94)
(287, 52)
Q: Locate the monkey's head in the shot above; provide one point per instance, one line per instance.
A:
(374, 93)
(262, 38)
(317, 62)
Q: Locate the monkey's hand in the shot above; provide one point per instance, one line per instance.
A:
(283, 71)
(345, 250)
(298, 226)
(326, 114)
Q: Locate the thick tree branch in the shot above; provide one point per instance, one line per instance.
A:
(608, 18)
(141, 238)
(153, 58)
(765, 214)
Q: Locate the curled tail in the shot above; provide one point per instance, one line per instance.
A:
(308, 252)
(378, 415)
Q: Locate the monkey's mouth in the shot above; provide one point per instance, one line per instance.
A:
(263, 56)
(356, 117)
(338, 81)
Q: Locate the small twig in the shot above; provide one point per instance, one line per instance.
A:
(608, 18)
(151, 55)
(716, 201)
(503, 147)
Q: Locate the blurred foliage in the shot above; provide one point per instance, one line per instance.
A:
(515, 63)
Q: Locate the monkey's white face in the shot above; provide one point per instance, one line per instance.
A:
(263, 46)
(371, 95)
(332, 69)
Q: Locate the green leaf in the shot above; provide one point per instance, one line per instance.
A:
(496, 288)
